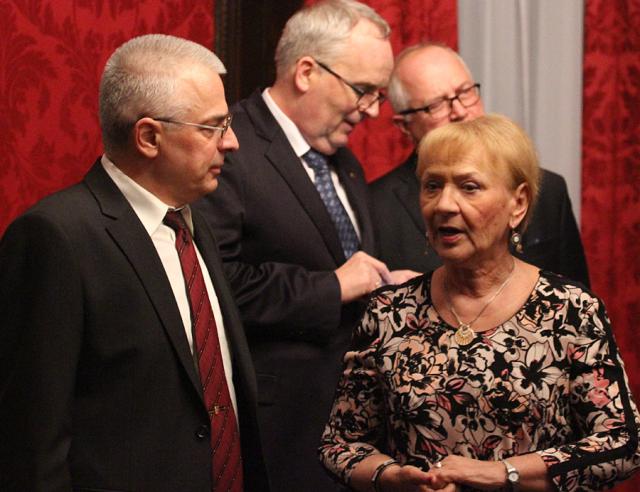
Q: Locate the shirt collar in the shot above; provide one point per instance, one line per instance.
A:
(148, 207)
(291, 131)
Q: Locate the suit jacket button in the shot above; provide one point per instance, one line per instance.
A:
(202, 432)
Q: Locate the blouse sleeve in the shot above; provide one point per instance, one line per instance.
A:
(356, 423)
(605, 418)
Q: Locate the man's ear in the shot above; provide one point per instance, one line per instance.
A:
(401, 123)
(521, 202)
(147, 134)
(304, 70)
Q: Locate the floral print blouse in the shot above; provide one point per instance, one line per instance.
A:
(549, 380)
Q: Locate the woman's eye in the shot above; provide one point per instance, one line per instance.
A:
(470, 187)
(430, 186)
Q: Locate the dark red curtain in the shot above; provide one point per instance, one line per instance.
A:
(51, 59)
(611, 169)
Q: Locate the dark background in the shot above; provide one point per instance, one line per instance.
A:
(247, 32)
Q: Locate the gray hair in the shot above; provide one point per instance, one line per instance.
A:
(322, 30)
(396, 92)
(140, 79)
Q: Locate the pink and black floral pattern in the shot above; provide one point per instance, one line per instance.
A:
(548, 380)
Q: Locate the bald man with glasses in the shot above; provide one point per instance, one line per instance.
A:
(431, 86)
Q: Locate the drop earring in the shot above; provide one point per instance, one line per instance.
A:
(516, 240)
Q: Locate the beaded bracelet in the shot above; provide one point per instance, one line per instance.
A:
(377, 473)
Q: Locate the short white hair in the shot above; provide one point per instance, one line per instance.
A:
(396, 91)
(140, 79)
(322, 30)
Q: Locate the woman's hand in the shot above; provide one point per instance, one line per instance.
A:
(484, 475)
(491, 475)
(411, 479)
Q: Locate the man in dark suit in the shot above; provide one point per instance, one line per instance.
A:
(102, 343)
(431, 86)
(290, 262)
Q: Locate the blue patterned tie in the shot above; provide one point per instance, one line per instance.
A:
(339, 216)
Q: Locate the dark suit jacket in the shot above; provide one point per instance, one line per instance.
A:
(551, 242)
(280, 248)
(98, 388)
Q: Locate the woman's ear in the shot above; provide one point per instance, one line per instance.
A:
(521, 205)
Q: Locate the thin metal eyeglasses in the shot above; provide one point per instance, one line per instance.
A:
(443, 106)
(365, 99)
(226, 123)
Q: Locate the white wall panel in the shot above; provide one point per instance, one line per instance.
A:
(527, 54)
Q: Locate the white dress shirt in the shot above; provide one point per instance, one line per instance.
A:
(300, 147)
(151, 212)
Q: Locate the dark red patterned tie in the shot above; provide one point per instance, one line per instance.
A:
(225, 440)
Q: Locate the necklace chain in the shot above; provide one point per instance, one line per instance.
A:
(464, 334)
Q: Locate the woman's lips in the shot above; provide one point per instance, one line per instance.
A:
(449, 234)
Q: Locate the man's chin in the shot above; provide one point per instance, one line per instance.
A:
(210, 186)
(339, 140)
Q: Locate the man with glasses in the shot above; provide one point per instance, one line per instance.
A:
(293, 225)
(431, 86)
(123, 361)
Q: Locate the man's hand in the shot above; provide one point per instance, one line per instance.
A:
(360, 275)
(401, 276)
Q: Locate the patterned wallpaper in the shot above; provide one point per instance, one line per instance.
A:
(51, 58)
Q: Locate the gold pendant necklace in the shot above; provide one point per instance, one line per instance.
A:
(464, 335)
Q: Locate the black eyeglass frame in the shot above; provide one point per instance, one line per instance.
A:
(427, 108)
(380, 98)
(228, 118)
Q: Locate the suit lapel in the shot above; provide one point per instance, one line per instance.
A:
(407, 190)
(281, 156)
(129, 234)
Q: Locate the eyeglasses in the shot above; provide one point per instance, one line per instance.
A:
(366, 99)
(442, 107)
(223, 129)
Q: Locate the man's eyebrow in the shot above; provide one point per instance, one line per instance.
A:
(367, 86)
(464, 85)
(216, 118)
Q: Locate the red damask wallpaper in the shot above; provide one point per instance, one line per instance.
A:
(51, 58)
(611, 169)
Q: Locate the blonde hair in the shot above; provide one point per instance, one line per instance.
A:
(503, 146)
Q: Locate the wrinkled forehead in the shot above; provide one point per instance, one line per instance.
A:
(433, 72)
(366, 57)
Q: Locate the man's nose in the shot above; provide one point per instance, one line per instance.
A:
(373, 110)
(458, 111)
(229, 141)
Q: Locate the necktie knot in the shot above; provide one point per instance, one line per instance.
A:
(174, 219)
(316, 161)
